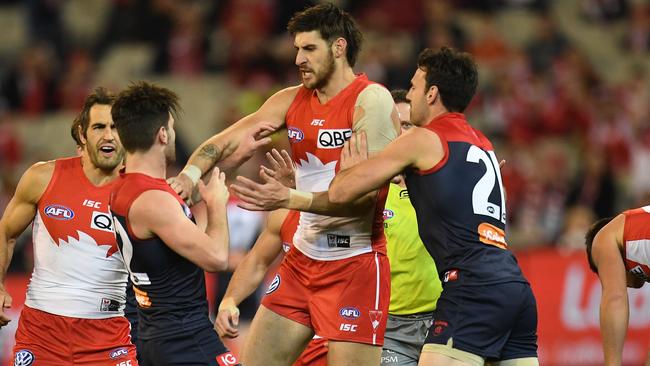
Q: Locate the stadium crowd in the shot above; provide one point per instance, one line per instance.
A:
(575, 133)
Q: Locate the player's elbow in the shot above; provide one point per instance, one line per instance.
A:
(216, 262)
(337, 194)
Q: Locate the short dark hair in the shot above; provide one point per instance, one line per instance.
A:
(589, 239)
(101, 96)
(332, 23)
(139, 111)
(399, 96)
(454, 73)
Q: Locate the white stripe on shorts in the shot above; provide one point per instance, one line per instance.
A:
(374, 334)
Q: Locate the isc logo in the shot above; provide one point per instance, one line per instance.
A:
(295, 134)
(348, 327)
(59, 212)
(388, 214)
(334, 138)
(350, 312)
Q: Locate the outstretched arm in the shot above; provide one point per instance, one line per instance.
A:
(249, 274)
(614, 307)
(223, 144)
(417, 148)
(17, 216)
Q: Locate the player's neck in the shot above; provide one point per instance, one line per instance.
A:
(340, 79)
(436, 111)
(95, 175)
(151, 163)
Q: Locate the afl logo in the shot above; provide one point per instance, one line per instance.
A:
(350, 312)
(388, 214)
(118, 353)
(24, 358)
(295, 134)
(274, 284)
(58, 212)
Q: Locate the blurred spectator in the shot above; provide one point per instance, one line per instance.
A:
(136, 21)
(389, 16)
(604, 10)
(77, 81)
(30, 87)
(45, 26)
(548, 43)
(183, 53)
(10, 146)
(577, 222)
(637, 33)
(538, 218)
(639, 177)
(441, 27)
(247, 25)
(593, 186)
(489, 47)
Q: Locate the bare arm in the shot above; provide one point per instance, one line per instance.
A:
(272, 195)
(17, 216)
(614, 307)
(159, 213)
(249, 274)
(417, 148)
(223, 144)
(252, 140)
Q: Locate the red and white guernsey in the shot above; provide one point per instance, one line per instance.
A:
(636, 241)
(317, 133)
(78, 271)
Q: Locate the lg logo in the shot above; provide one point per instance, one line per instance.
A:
(226, 359)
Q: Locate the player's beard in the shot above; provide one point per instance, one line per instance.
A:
(170, 153)
(322, 77)
(107, 164)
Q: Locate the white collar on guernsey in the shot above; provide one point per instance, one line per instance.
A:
(646, 208)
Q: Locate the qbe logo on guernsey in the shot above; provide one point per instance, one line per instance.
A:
(333, 138)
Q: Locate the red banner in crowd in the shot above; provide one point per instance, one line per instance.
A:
(568, 298)
(568, 301)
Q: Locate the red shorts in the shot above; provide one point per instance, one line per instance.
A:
(49, 339)
(314, 355)
(341, 300)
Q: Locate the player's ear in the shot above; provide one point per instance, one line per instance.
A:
(432, 94)
(80, 133)
(339, 46)
(163, 136)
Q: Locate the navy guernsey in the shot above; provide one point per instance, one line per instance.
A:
(460, 208)
(169, 289)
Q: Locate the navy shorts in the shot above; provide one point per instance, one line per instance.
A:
(200, 347)
(496, 322)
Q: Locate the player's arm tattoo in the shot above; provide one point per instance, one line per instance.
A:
(211, 153)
